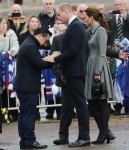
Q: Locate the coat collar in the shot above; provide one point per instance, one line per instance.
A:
(93, 30)
(35, 40)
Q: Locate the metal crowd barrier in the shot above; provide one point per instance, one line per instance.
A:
(42, 103)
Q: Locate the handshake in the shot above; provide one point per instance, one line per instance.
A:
(50, 58)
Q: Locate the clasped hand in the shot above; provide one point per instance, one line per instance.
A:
(97, 77)
(50, 58)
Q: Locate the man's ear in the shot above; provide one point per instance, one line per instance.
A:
(40, 35)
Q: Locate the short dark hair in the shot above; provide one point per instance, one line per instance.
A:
(43, 31)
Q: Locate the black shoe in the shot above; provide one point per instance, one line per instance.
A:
(35, 145)
(79, 143)
(1, 149)
(61, 141)
(101, 141)
(111, 135)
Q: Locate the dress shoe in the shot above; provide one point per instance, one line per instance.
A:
(61, 141)
(111, 135)
(35, 145)
(79, 143)
(102, 140)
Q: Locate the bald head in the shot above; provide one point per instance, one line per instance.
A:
(16, 8)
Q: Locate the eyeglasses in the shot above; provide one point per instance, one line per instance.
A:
(81, 11)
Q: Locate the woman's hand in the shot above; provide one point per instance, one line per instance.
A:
(97, 77)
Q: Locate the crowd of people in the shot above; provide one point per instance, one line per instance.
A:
(72, 47)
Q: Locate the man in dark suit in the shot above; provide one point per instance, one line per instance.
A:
(73, 63)
(27, 86)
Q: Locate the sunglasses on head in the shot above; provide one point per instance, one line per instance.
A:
(81, 11)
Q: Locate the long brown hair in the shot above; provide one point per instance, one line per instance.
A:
(99, 17)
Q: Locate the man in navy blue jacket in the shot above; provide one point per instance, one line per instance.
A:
(27, 85)
(73, 63)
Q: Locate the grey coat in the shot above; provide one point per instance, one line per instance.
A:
(97, 63)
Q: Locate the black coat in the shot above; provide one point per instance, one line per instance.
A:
(13, 27)
(73, 58)
(29, 66)
(57, 45)
(113, 28)
(23, 36)
(47, 21)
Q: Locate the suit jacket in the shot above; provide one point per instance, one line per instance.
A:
(29, 66)
(57, 46)
(73, 58)
(57, 43)
(113, 28)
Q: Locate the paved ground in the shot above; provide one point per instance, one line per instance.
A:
(47, 132)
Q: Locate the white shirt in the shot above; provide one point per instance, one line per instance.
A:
(71, 19)
(117, 15)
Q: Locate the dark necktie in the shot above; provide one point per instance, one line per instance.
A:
(119, 28)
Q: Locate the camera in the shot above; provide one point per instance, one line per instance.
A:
(116, 12)
(16, 14)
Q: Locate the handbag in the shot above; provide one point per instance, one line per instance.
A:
(98, 88)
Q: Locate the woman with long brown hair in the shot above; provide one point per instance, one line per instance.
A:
(98, 73)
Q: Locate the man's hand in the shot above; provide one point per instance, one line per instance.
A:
(63, 80)
(10, 16)
(23, 19)
(123, 54)
(123, 14)
(13, 53)
(49, 58)
(56, 53)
